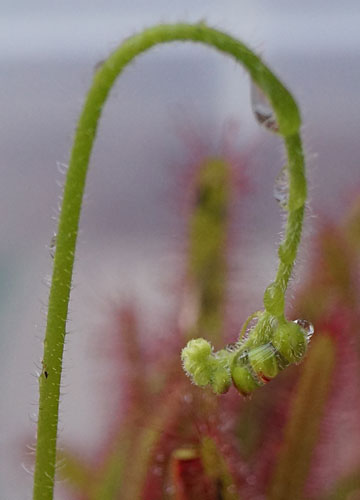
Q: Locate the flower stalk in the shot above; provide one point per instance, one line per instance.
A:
(288, 121)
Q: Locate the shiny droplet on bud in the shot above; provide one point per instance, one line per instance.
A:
(262, 110)
(306, 326)
(281, 188)
(52, 246)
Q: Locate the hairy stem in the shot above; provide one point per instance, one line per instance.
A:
(274, 295)
(288, 122)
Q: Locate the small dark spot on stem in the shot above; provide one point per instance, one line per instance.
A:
(45, 370)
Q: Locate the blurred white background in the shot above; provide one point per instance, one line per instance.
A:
(129, 239)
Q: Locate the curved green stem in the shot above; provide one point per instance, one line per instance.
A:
(288, 123)
(274, 297)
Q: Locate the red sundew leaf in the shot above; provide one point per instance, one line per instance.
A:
(261, 417)
(188, 477)
(261, 423)
(159, 418)
(207, 249)
(304, 421)
(332, 275)
(330, 299)
(210, 208)
(217, 468)
(338, 448)
(201, 472)
(336, 261)
(130, 357)
(129, 383)
(183, 429)
(112, 470)
(194, 426)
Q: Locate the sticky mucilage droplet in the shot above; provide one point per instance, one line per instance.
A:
(281, 188)
(262, 110)
(307, 327)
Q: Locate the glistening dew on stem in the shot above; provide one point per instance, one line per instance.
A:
(284, 341)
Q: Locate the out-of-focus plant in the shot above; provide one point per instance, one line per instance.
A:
(169, 428)
(297, 438)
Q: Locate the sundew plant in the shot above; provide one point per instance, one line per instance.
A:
(206, 463)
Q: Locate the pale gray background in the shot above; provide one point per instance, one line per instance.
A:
(129, 243)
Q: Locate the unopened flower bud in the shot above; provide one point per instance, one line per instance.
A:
(290, 341)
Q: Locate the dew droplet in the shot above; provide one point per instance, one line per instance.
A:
(281, 188)
(262, 110)
(306, 326)
(52, 246)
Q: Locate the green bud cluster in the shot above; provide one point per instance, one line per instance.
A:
(206, 368)
(291, 342)
(249, 365)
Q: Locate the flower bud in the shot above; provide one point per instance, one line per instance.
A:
(263, 361)
(221, 380)
(241, 373)
(197, 361)
(290, 341)
(243, 380)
